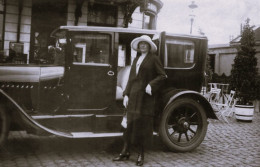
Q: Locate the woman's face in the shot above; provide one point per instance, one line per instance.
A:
(144, 47)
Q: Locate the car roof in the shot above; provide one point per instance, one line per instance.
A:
(123, 30)
(109, 29)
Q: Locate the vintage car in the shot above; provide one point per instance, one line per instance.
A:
(80, 94)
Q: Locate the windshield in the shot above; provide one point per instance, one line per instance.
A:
(57, 52)
(49, 49)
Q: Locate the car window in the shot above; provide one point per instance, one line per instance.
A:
(91, 48)
(179, 54)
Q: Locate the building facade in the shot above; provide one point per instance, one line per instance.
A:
(25, 25)
(222, 56)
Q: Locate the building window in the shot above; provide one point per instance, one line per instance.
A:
(147, 24)
(102, 15)
(149, 21)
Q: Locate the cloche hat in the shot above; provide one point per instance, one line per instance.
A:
(145, 38)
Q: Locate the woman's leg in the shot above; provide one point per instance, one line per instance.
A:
(126, 147)
(140, 134)
(125, 153)
(144, 131)
(140, 157)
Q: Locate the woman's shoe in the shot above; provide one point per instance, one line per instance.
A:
(140, 160)
(122, 157)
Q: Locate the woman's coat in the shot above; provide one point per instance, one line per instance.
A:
(150, 72)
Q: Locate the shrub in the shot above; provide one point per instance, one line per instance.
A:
(244, 71)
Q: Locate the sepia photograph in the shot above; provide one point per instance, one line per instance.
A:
(104, 83)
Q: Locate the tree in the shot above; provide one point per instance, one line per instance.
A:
(129, 7)
(244, 71)
(208, 71)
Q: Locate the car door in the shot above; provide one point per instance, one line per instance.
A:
(91, 79)
(180, 59)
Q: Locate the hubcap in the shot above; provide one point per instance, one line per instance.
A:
(183, 125)
(186, 125)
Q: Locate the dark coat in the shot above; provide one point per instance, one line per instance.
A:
(150, 72)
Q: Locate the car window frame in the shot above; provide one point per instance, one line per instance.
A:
(72, 33)
(165, 56)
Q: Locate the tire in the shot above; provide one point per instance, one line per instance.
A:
(4, 126)
(183, 125)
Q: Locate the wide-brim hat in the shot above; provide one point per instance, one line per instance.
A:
(145, 38)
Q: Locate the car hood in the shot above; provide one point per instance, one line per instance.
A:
(29, 74)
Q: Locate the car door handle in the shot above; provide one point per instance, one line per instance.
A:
(110, 73)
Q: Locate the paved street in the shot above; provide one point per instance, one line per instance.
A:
(234, 144)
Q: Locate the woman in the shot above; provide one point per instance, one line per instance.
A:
(146, 76)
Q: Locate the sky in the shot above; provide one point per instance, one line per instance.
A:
(220, 20)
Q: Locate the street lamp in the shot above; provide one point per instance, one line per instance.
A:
(192, 16)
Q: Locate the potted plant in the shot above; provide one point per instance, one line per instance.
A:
(244, 74)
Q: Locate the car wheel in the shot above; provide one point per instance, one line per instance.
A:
(183, 125)
(4, 126)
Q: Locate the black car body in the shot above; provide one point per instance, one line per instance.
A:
(80, 95)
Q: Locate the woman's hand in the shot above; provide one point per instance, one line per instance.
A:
(148, 89)
(125, 101)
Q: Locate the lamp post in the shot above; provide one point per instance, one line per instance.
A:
(192, 6)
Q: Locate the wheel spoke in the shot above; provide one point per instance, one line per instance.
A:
(186, 113)
(192, 130)
(172, 133)
(179, 139)
(171, 126)
(187, 138)
(192, 115)
(193, 123)
(183, 124)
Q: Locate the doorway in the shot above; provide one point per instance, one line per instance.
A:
(47, 15)
(212, 62)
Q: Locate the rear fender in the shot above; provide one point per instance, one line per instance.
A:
(176, 94)
(23, 119)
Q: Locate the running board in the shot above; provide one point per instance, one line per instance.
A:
(96, 135)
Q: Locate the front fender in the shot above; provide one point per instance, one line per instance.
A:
(179, 93)
(23, 119)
